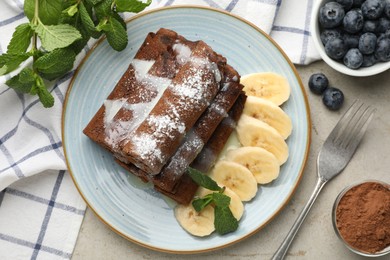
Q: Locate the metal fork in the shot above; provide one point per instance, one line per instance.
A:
(334, 155)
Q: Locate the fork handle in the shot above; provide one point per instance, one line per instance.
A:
(282, 250)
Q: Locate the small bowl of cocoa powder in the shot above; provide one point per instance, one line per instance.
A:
(361, 218)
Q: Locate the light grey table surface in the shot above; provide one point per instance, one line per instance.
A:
(316, 238)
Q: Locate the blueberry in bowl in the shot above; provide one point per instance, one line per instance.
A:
(353, 37)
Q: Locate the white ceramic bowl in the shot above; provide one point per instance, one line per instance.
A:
(339, 66)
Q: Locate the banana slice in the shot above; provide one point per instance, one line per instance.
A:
(269, 113)
(236, 206)
(236, 177)
(196, 223)
(253, 132)
(263, 164)
(268, 85)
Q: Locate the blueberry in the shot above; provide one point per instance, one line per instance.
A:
(382, 52)
(353, 59)
(328, 34)
(370, 26)
(353, 21)
(367, 43)
(336, 48)
(373, 9)
(386, 10)
(318, 82)
(357, 3)
(383, 25)
(346, 4)
(384, 35)
(333, 98)
(331, 15)
(369, 60)
(351, 40)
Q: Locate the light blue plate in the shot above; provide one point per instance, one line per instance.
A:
(135, 210)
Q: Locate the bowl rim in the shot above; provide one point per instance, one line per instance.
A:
(383, 252)
(315, 33)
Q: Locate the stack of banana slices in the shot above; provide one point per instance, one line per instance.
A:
(261, 131)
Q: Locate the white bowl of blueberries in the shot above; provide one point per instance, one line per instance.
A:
(353, 36)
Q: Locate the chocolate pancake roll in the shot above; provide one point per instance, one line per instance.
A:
(200, 133)
(147, 76)
(195, 85)
(210, 152)
(186, 188)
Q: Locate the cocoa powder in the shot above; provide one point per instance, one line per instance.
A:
(363, 217)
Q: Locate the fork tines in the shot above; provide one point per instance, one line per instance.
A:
(352, 126)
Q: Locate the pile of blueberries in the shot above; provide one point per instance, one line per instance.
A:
(356, 32)
(333, 98)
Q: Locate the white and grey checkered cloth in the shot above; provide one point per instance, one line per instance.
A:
(40, 216)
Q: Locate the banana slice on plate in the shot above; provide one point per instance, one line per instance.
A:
(268, 85)
(236, 206)
(236, 177)
(253, 132)
(263, 164)
(196, 223)
(269, 113)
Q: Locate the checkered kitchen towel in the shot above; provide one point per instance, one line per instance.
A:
(40, 216)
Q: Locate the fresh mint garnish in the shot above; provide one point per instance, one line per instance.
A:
(63, 29)
(203, 180)
(224, 220)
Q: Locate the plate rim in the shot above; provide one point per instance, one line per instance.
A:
(305, 156)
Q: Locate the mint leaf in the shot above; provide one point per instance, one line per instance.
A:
(88, 22)
(103, 9)
(56, 36)
(23, 81)
(116, 34)
(49, 11)
(44, 95)
(10, 62)
(79, 44)
(200, 203)
(221, 200)
(55, 64)
(119, 19)
(29, 8)
(134, 6)
(39, 88)
(203, 180)
(71, 10)
(224, 221)
(21, 39)
(94, 2)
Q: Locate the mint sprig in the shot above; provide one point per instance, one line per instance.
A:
(56, 32)
(224, 220)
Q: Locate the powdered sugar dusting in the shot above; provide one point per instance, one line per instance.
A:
(185, 154)
(118, 130)
(183, 52)
(164, 125)
(111, 108)
(146, 146)
(141, 67)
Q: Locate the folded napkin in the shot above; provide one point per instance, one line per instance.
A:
(40, 216)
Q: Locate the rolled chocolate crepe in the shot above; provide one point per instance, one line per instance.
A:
(210, 152)
(200, 133)
(154, 62)
(195, 85)
(186, 188)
